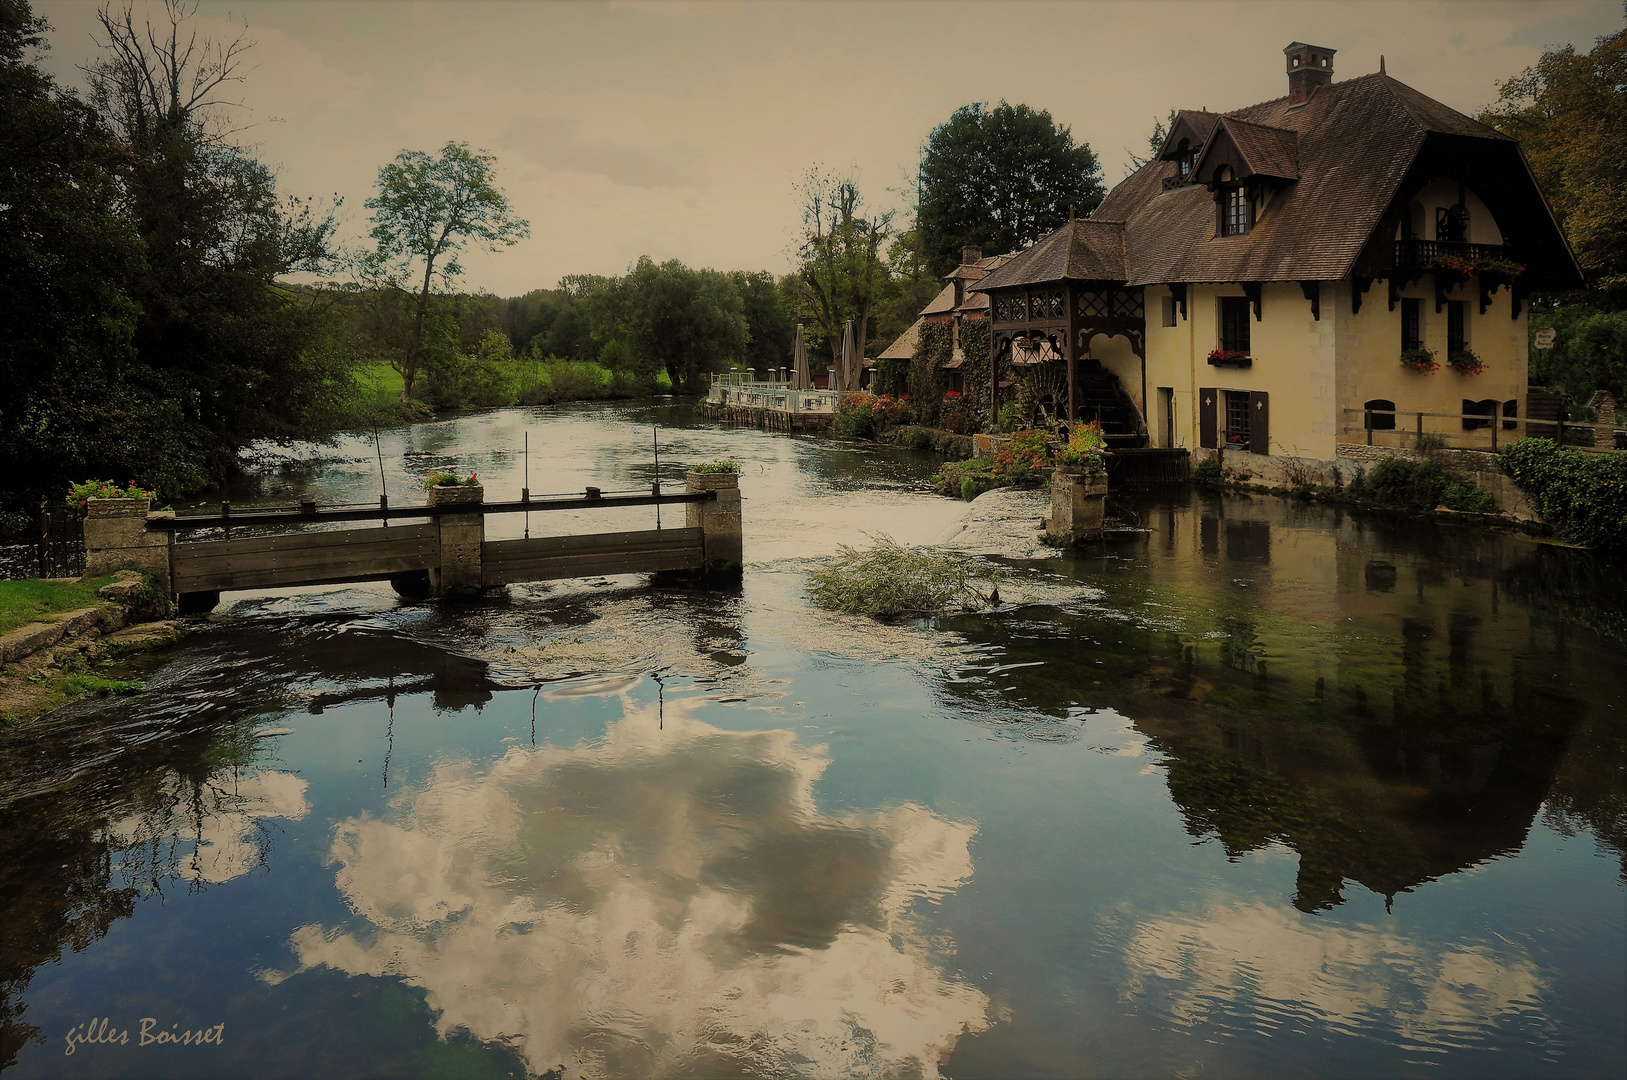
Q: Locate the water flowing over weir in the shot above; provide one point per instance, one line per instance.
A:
(1251, 787)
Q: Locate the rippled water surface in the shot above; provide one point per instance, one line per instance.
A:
(1250, 788)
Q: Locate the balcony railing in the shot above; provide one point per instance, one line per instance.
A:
(1428, 254)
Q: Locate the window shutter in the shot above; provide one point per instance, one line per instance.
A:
(1206, 418)
(1259, 426)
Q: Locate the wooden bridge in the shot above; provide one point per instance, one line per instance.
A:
(442, 552)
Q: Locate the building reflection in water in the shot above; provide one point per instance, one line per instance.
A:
(666, 900)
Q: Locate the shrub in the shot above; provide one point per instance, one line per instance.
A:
(1207, 473)
(1011, 417)
(954, 416)
(1085, 446)
(1470, 497)
(721, 465)
(1406, 485)
(1020, 460)
(891, 579)
(953, 476)
(916, 438)
(893, 410)
(103, 489)
(855, 416)
(1583, 494)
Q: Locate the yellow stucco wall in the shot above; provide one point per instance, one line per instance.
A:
(1314, 370)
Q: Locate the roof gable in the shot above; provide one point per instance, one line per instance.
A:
(1250, 150)
(1086, 249)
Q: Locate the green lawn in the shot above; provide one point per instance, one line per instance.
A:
(34, 600)
(380, 378)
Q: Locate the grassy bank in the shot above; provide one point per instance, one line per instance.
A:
(35, 600)
(547, 381)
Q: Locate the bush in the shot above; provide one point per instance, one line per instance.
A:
(1405, 485)
(891, 579)
(1420, 360)
(1011, 417)
(916, 438)
(1470, 497)
(446, 478)
(1020, 460)
(1207, 473)
(954, 415)
(1086, 444)
(855, 416)
(1582, 494)
(966, 479)
(721, 465)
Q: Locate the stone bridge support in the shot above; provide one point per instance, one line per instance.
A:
(117, 538)
(719, 520)
(1078, 497)
(461, 538)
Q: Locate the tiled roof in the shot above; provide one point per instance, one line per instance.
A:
(904, 347)
(1346, 153)
(943, 303)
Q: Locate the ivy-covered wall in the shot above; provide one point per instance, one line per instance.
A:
(932, 349)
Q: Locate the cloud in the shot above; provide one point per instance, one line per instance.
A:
(666, 901)
(1263, 966)
(556, 143)
(226, 840)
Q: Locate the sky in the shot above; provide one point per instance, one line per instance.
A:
(681, 129)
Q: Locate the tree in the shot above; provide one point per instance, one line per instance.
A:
(428, 210)
(1570, 114)
(67, 261)
(770, 328)
(1155, 142)
(689, 322)
(842, 272)
(1000, 179)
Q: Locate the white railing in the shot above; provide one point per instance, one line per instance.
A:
(741, 390)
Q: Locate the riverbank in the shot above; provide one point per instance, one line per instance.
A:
(64, 639)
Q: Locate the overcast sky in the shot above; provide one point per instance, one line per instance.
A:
(679, 130)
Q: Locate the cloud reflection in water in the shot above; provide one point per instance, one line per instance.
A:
(663, 901)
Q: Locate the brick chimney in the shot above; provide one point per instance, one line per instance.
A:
(970, 255)
(1309, 67)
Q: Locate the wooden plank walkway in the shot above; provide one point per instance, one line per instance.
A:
(543, 558)
(309, 558)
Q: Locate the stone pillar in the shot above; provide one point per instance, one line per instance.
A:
(459, 573)
(116, 538)
(718, 520)
(1604, 424)
(1077, 496)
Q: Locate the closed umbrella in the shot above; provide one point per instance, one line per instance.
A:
(849, 360)
(799, 377)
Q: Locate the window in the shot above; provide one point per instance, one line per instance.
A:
(1233, 211)
(1456, 341)
(1169, 311)
(1237, 418)
(1487, 408)
(1183, 152)
(1234, 328)
(1166, 414)
(1380, 414)
(1412, 322)
(1511, 414)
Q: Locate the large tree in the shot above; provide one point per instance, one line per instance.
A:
(427, 211)
(1000, 179)
(1570, 114)
(687, 322)
(842, 271)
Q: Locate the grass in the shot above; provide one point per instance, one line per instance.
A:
(36, 600)
(891, 579)
(380, 379)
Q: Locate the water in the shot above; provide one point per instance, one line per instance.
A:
(1250, 788)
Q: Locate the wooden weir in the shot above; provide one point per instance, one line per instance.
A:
(312, 558)
(542, 558)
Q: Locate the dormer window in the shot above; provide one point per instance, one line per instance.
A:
(1185, 157)
(1234, 204)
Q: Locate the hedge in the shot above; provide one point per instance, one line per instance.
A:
(1584, 495)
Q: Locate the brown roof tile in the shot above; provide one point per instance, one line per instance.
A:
(904, 347)
(1088, 249)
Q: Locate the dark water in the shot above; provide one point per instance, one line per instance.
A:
(1252, 788)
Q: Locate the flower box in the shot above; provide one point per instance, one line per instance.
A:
(1230, 358)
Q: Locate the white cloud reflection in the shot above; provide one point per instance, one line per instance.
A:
(209, 833)
(659, 902)
(1264, 967)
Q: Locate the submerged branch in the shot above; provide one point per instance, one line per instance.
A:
(891, 579)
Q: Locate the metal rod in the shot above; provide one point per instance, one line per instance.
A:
(525, 492)
(655, 438)
(384, 489)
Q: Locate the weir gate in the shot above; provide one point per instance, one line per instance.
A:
(441, 551)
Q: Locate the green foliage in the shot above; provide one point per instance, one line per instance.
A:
(1466, 362)
(686, 322)
(1403, 485)
(1022, 458)
(855, 416)
(974, 346)
(966, 479)
(104, 489)
(35, 600)
(916, 438)
(841, 274)
(1589, 351)
(1469, 497)
(1569, 113)
(932, 349)
(1207, 473)
(721, 465)
(1420, 360)
(447, 478)
(1011, 417)
(1000, 179)
(770, 328)
(891, 579)
(1583, 494)
(1085, 445)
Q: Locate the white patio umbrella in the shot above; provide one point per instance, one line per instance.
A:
(799, 375)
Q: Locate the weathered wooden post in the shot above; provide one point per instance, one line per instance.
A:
(1604, 420)
(1078, 494)
(117, 538)
(718, 520)
(461, 537)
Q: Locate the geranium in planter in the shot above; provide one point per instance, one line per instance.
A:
(1230, 358)
(1420, 360)
(1465, 362)
(1085, 446)
(446, 478)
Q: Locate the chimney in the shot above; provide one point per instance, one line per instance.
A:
(970, 255)
(1309, 67)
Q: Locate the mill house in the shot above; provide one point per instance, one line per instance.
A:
(1336, 267)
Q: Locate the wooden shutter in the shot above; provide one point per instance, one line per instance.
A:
(1259, 422)
(1206, 418)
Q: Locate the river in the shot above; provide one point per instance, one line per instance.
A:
(1252, 787)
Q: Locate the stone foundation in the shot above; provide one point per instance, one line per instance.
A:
(719, 520)
(1077, 503)
(459, 573)
(116, 538)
